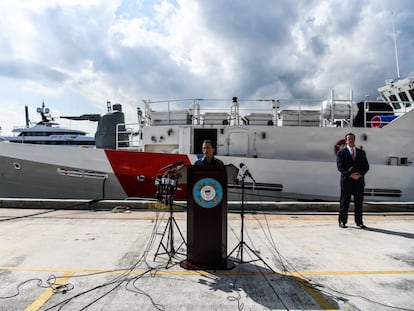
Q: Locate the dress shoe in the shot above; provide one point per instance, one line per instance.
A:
(362, 226)
(342, 225)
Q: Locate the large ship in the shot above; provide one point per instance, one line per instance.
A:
(289, 147)
(48, 132)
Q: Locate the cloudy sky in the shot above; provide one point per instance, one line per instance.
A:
(76, 54)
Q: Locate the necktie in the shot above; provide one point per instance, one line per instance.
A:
(353, 153)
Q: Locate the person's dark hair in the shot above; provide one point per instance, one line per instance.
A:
(208, 141)
(352, 134)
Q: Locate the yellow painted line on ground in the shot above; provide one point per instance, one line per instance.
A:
(316, 295)
(66, 271)
(45, 296)
(354, 272)
(307, 287)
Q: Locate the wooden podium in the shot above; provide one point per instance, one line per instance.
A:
(207, 216)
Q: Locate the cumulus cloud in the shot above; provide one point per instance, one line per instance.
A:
(129, 50)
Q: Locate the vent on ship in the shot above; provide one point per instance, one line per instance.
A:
(375, 192)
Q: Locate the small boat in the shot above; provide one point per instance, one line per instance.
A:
(48, 132)
(288, 145)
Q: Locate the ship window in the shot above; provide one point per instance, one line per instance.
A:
(403, 96)
(411, 91)
(394, 103)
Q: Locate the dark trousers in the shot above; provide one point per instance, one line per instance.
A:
(351, 188)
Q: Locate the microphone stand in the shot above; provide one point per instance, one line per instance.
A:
(240, 246)
(168, 186)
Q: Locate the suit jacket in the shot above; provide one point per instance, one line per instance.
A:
(203, 161)
(347, 166)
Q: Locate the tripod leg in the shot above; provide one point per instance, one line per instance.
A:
(258, 257)
(241, 244)
(172, 251)
(162, 239)
(179, 231)
(169, 246)
(238, 247)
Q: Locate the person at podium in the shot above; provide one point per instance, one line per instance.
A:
(208, 155)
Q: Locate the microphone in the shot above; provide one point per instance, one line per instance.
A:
(158, 180)
(245, 171)
(158, 183)
(172, 165)
(173, 181)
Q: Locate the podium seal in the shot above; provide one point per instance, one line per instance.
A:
(207, 192)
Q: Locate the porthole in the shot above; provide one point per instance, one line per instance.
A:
(17, 166)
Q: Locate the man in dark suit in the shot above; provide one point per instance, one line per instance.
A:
(208, 155)
(352, 163)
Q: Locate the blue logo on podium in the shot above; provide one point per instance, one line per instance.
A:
(208, 192)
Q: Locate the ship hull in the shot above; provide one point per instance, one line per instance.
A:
(35, 171)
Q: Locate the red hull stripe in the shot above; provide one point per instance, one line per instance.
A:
(128, 166)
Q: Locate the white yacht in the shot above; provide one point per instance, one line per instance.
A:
(48, 132)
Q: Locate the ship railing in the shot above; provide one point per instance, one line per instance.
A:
(378, 118)
(402, 107)
(128, 136)
(271, 112)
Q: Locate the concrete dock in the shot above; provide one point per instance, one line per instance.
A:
(103, 259)
(145, 204)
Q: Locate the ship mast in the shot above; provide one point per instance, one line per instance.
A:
(395, 45)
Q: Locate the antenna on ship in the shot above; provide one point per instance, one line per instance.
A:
(395, 45)
(26, 111)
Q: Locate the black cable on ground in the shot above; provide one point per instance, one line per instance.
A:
(308, 282)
